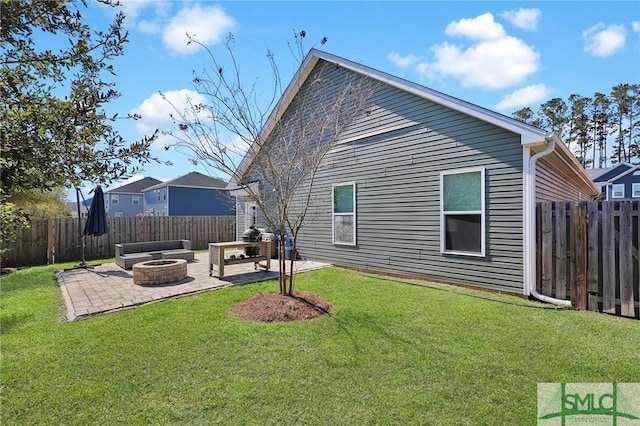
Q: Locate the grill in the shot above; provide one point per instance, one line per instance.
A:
(251, 235)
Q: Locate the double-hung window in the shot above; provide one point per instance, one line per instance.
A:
(115, 199)
(635, 190)
(135, 200)
(617, 190)
(462, 212)
(344, 214)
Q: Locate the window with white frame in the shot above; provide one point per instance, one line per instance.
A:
(617, 190)
(635, 190)
(118, 214)
(115, 199)
(158, 195)
(462, 212)
(135, 200)
(344, 214)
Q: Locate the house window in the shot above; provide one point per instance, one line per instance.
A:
(135, 200)
(251, 214)
(635, 190)
(617, 190)
(344, 214)
(118, 214)
(462, 212)
(115, 200)
(158, 195)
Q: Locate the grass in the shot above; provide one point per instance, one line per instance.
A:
(391, 353)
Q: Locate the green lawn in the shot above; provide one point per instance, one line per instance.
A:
(391, 353)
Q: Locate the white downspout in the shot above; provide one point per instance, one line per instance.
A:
(530, 221)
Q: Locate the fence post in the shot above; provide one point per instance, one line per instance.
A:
(580, 247)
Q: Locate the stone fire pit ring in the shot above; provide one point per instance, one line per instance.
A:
(161, 271)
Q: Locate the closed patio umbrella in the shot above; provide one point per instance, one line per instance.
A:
(97, 220)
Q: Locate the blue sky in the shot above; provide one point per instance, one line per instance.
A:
(499, 55)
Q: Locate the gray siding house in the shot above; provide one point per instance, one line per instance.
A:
(127, 200)
(430, 186)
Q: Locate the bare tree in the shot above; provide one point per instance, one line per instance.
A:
(272, 145)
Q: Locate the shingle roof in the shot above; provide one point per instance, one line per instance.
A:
(135, 187)
(611, 172)
(194, 180)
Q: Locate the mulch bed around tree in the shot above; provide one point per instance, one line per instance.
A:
(274, 307)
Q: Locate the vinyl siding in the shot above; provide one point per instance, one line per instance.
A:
(397, 175)
(240, 217)
(628, 181)
(125, 205)
(554, 185)
(184, 201)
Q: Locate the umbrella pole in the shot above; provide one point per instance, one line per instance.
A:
(82, 264)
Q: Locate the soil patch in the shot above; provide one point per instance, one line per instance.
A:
(274, 307)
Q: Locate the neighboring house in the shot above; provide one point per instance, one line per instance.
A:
(193, 194)
(127, 200)
(84, 207)
(428, 185)
(618, 183)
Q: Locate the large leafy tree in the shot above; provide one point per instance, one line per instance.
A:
(54, 86)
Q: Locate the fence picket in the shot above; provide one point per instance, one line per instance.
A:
(547, 249)
(580, 247)
(625, 263)
(560, 236)
(594, 291)
(608, 259)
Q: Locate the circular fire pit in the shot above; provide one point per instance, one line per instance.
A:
(155, 272)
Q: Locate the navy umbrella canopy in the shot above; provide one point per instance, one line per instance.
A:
(97, 220)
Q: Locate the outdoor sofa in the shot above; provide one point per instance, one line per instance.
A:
(128, 254)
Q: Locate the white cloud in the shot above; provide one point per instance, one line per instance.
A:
(208, 25)
(132, 8)
(403, 61)
(635, 26)
(482, 27)
(494, 64)
(489, 59)
(524, 97)
(604, 41)
(149, 27)
(526, 19)
(156, 112)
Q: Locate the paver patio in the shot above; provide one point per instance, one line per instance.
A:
(108, 288)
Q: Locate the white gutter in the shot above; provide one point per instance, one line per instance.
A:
(530, 227)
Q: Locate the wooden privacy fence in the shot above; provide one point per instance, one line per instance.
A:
(588, 252)
(56, 240)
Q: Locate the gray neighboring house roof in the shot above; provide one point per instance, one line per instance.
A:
(192, 180)
(135, 187)
(602, 177)
(595, 173)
